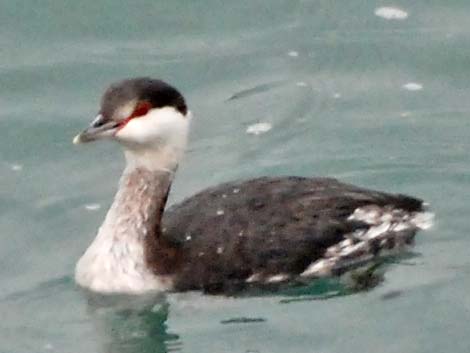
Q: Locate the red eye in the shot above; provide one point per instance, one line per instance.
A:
(140, 109)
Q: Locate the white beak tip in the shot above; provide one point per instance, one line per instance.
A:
(77, 139)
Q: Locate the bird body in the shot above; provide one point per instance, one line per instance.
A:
(232, 236)
(285, 229)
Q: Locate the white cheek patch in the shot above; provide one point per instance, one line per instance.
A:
(160, 126)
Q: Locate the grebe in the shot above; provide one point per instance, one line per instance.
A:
(232, 236)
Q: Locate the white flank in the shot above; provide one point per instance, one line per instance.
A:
(281, 277)
(320, 268)
(423, 220)
(255, 277)
(386, 224)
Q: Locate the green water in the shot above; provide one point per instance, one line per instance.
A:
(327, 75)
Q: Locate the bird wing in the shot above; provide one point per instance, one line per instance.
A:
(266, 227)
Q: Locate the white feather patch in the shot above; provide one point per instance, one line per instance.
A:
(156, 140)
(386, 225)
(281, 277)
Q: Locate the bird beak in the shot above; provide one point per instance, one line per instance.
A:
(98, 129)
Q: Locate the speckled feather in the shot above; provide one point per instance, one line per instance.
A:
(265, 227)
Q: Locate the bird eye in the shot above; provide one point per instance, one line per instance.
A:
(141, 109)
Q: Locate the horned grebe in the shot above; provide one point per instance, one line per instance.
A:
(247, 233)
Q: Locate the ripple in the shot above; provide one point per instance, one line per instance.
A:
(242, 320)
(261, 88)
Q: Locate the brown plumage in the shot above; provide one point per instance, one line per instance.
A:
(266, 226)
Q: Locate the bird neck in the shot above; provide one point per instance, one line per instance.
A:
(141, 198)
(136, 213)
(163, 154)
(128, 254)
(138, 208)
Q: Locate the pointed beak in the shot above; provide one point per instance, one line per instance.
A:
(98, 129)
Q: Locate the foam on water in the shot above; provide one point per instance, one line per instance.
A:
(16, 167)
(413, 86)
(92, 206)
(259, 128)
(391, 13)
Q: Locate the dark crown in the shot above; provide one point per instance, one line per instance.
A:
(158, 93)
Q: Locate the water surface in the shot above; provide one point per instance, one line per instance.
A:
(377, 102)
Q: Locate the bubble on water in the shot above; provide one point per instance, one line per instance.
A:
(258, 128)
(92, 206)
(301, 84)
(16, 167)
(413, 86)
(48, 347)
(391, 13)
(337, 95)
(293, 53)
(405, 114)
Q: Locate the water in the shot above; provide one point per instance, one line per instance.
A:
(377, 102)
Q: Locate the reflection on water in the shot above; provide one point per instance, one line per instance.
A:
(132, 324)
(118, 324)
(127, 324)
